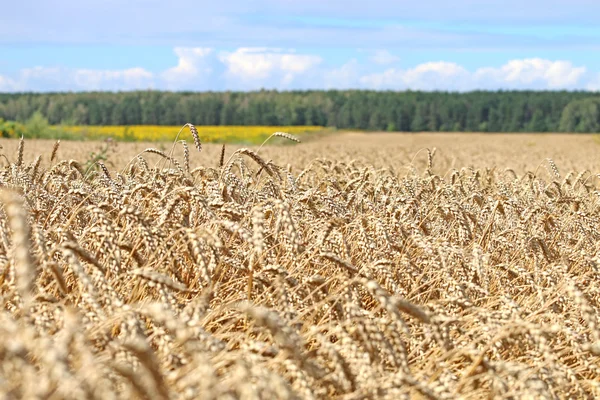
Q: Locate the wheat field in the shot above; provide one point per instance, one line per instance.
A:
(357, 266)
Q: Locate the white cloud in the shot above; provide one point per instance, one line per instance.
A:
(436, 75)
(594, 84)
(192, 65)
(247, 68)
(427, 76)
(7, 85)
(383, 57)
(54, 78)
(254, 67)
(40, 77)
(197, 68)
(132, 78)
(345, 77)
(40, 72)
(531, 73)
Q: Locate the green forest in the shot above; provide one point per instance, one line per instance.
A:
(482, 111)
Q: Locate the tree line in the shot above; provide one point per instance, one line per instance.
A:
(482, 111)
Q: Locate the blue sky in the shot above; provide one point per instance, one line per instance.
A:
(68, 45)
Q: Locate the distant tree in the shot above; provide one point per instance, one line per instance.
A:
(581, 116)
(419, 122)
(538, 122)
(503, 111)
(11, 129)
(80, 115)
(37, 125)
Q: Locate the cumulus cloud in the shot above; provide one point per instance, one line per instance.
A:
(196, 68)
(594, 83)
(40, 77)
(255, 67)
(427, 76)
(345, 77)
(7, 85)
(132, 78)
(193, 65)
(531, 73)
(55, 78)
(247, 68)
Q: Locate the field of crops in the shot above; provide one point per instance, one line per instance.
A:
(209, 134)
(358, 266)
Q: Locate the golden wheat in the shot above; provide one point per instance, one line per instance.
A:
(330, 277)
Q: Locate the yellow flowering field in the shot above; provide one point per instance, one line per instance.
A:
(208, 134)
